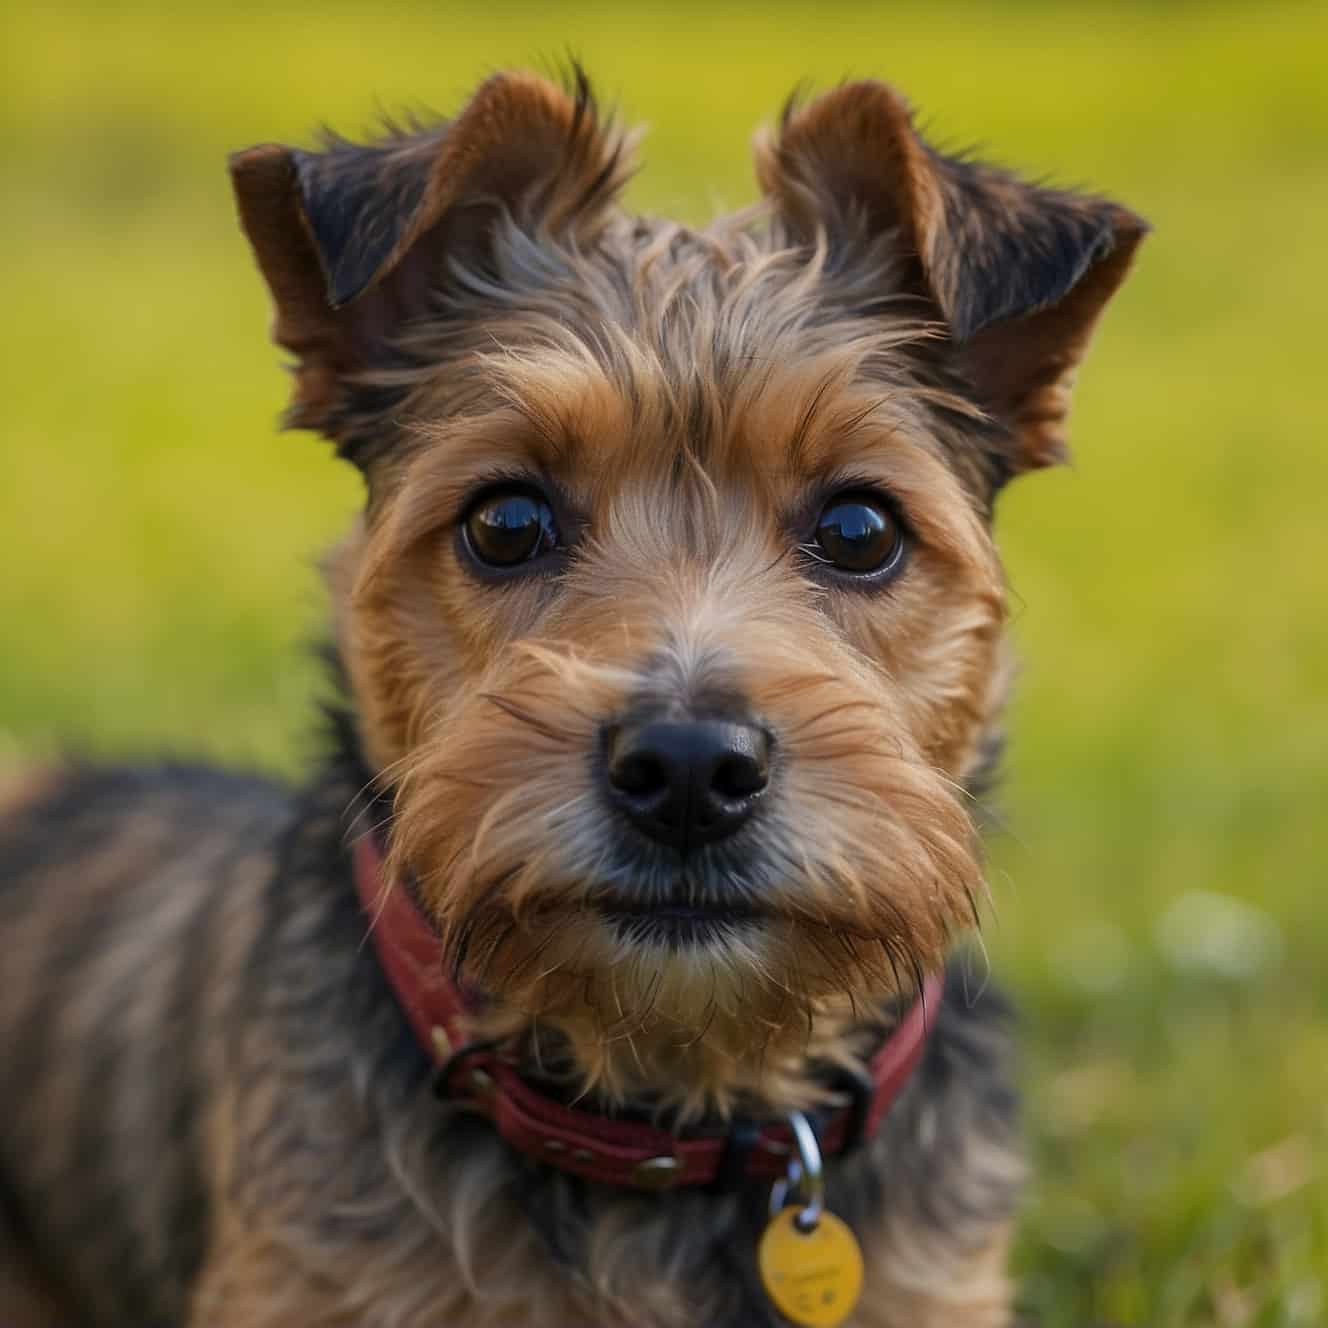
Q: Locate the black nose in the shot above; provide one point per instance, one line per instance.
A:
(688, 783)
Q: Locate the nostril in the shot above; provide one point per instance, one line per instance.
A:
(639, 774)
(738, 777)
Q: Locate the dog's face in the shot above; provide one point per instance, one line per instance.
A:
(674, 620)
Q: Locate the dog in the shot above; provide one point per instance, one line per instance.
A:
(605, 971)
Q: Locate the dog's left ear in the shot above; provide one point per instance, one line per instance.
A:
(1019, 273)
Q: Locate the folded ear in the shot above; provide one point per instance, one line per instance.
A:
(355, 241)
(1019, 273)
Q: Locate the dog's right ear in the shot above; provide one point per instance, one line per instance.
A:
(356, 241)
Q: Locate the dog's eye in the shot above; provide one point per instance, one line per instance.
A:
(858, 533)
(511, 525)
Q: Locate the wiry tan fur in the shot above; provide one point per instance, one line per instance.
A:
(686, 410)
(877, 712)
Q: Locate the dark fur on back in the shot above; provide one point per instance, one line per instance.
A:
(123, 893)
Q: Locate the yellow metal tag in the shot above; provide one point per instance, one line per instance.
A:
(813, 1277)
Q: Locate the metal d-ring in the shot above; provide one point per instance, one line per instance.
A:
(785, 1186)
(811, 1183)
(803, 1180)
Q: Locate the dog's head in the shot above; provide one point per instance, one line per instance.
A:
(674, 620)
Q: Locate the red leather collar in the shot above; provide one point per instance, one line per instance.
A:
(598, 1147)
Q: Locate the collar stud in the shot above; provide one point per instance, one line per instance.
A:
(657, 1173)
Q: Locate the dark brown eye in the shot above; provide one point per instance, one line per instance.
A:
(509, 526)
(858, 533)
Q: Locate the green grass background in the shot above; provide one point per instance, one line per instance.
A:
(157, 536)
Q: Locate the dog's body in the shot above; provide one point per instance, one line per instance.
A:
(671, 640)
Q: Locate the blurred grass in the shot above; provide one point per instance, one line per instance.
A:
(157, 537)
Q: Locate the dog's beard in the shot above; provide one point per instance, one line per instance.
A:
(845, 890)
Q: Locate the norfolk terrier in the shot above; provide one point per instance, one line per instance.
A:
(603, 972)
